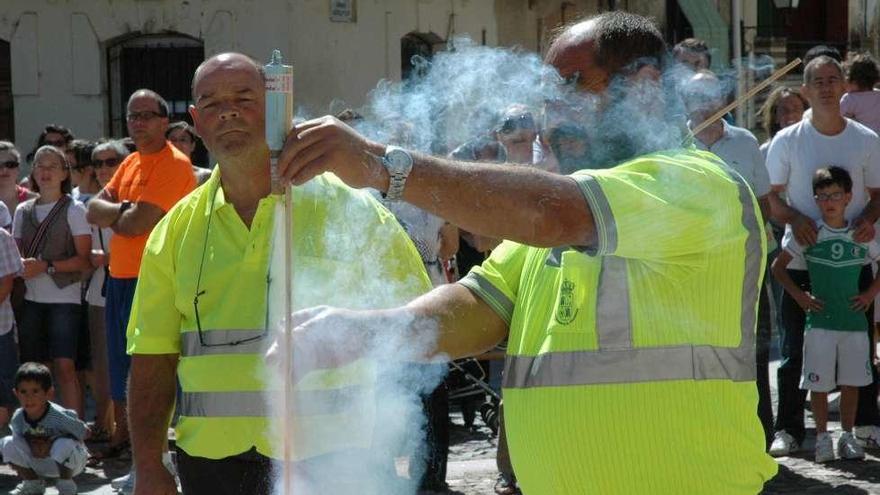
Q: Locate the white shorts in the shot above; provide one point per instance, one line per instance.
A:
(834, 358)
(68, 452)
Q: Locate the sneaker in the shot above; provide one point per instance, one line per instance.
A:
(824, 448)
(123, 484)
(868, 436)
(848, 447)
(65, 487)
(783, 444)
(506, 485)
(29, 487)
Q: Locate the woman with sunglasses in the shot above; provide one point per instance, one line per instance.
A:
(11, 194)
(105, 159)
(55, 253)
(82, 175)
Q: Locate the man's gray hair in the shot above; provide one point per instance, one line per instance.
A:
(164, 109)
(115, 146)
(816, 62)
(10, 147)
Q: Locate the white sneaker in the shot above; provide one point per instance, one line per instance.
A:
(868, 436)
(824, 448)
(65, 487)
(123, 484)
(29, 487)
(783, 444)
(848, 447)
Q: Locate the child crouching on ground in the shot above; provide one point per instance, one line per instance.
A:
(836, 347)
(47, 440)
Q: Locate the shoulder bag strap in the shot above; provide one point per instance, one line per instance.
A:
(32, 249)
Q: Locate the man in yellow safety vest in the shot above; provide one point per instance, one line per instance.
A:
(629, 295)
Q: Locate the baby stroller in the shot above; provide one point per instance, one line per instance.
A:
(468, 388)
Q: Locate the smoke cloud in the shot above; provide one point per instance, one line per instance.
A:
(458, 96)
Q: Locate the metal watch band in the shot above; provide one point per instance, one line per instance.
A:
(395, 187)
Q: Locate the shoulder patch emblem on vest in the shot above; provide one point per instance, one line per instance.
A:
(565, 311)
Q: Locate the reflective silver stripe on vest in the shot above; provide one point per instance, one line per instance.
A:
(497, 300)
(606, 229)
(190, 345)
(617, 362)
(253, 404)
(613, 323)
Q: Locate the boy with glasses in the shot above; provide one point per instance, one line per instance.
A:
(835, 300)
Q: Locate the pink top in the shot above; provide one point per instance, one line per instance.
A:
(863, 107)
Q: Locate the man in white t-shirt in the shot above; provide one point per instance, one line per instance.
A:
(823, 139)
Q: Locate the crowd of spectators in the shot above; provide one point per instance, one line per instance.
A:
(65, 298)
(59, 270)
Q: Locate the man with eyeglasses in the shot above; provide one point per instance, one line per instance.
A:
(203, 301)
(822, 139)
(629, 296)
(145, 186)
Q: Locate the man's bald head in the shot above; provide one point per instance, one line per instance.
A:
(162, 105)
(227, 60)
(618, 39)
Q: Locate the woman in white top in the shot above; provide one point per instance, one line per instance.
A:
(53, 262)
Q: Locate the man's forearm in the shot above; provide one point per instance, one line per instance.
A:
(780, 211)
(464, 324)
(871, 213)
(151, 393)
(102, 213)
(516, 203)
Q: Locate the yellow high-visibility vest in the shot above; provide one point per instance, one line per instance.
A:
(344, 242)
(631, 365)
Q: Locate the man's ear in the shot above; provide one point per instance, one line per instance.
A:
(51, 393)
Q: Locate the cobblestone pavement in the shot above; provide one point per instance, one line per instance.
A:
(472, 468)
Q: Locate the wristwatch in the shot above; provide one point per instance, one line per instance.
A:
(51, 268)
(399, 163)
(124, 206)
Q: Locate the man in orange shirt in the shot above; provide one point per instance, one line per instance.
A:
(146, 185)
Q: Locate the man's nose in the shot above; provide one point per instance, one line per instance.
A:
(229, 112)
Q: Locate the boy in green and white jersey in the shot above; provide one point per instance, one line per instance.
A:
(836, 346)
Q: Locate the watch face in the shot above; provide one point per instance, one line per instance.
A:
(399, 161)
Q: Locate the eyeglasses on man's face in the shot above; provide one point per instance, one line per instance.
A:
(57, 144)
(515, 123)
(144, 116)
(10, 164)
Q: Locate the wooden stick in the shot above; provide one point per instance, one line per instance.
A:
(752, 92)
(288, 338)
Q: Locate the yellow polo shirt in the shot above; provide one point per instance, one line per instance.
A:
(349, 251)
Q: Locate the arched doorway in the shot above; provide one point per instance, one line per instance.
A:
(7, 122)
(164, 63)
(414, 46)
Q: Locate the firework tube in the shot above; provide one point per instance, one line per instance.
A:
(279, 120)
(744, 98)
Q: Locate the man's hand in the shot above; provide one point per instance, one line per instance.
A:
(326, 144)
(805, 230)
(808, 302)
(33, 267)
(40, 447)
(864, 230)
(323, 337)
(98, 258)
(154, 480)
(862, 301)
